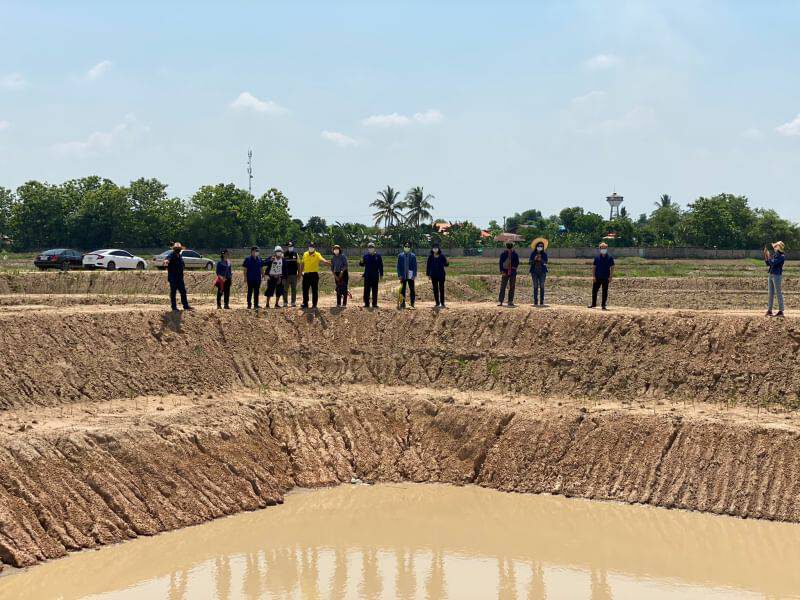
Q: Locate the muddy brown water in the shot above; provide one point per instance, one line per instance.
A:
(435, 541)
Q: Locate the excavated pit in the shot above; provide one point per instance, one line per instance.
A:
(129, 421)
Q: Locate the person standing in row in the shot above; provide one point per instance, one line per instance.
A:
(309, 269)
(373, 271)
(538, 268)
(407, 273)
(341, 276)
(602, 273)
(253, 265)
(435, 270)
(175, 266)
(509, 263)
(224, 279)
(275, 270)
(775, 264)
(290, 256)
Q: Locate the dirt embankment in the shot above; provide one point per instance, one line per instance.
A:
(56, 357)
(112, 471)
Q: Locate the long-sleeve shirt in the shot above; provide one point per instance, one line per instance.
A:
(225, 269)
(775, 263)
(510, 257)
(373, 265)
(175, 266)
(542, 262)
(339, 263)
(435, 269)
(407, 265)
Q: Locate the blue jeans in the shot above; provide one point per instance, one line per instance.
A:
(775, 288)
(538, 287)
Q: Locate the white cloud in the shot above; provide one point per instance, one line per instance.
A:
(340, 139)
(13, 81)
(602, 61)
(753, 133)
(638, 118)
(591, 98)
(428, 117)
(100, 69)
(247, 101)
(790, 128)
(101, 142)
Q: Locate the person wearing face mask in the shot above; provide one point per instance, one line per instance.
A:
(407, 273)
(253, 265)
(275, 269)
(435, 270)
(309, 270)
(341, 276)
(291, 258)
(602, 273)
(775, 264)
(373, 271)
(224, 279)
(538, 269)
(509, 263)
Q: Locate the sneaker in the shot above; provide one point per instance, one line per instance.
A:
(779, 314)
(227, 308)
(499, 304)
(592, 306)
(768, 313)
(603, 308)
(512, 305)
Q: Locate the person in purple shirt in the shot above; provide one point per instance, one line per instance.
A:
(775, 264)
(602, 273)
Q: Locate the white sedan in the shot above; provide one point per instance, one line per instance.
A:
(113, 259)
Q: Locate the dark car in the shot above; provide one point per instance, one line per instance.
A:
(59, 258)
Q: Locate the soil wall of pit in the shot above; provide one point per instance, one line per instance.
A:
(54, 357)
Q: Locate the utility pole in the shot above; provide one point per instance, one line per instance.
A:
(250, 171)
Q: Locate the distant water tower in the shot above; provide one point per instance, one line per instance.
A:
(614, 200)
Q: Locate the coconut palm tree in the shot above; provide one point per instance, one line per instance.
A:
(417, 206)
(664, 201)
(389, 209)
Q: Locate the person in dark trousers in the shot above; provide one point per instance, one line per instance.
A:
(253, 265)
(275, 270)
(775, 264)
(602, 273)
(341, 276)
(291, 258)
(373, 271)
(407, 273)
(538, 268)
(309, 269)
(509, 263)
(224, 279)
(175, 268)
(435, 270)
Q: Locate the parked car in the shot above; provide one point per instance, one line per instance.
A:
(58, 258)
(191, 259)
(113, 259)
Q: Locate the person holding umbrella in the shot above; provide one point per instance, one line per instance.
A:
(509, 263)
(538, 269)
(775, 264)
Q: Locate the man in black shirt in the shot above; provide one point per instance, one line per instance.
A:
(175, 267)
(290, 258)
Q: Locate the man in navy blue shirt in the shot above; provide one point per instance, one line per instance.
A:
(602, 273)
(253, 266)
(509, 263)
(373, 271)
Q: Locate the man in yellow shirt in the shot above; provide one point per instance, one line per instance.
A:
(309, 269)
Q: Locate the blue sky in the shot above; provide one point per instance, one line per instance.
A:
(493, 107)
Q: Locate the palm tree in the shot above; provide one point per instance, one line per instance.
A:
(418, 206)
(664, 201)
(389, 209)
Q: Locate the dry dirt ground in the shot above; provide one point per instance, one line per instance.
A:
(118, 418)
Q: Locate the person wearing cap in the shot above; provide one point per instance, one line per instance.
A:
(373, 271)
(509, 263)
(435, 270)
(407, 273)
(341, 275)
(291, 258)
(602, 273)
(224, 279)
(775, 264)
(309, 270)
(275, 270)
(175, 267)
(253, 265)
(538, 269)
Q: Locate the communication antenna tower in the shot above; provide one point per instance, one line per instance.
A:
(250, 170)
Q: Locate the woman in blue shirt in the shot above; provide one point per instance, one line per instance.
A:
(224, 279)
(775, 264)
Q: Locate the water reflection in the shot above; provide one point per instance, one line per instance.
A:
(435, 542)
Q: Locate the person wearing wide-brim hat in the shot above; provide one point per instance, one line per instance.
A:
(775, 264)
(175, 267)
(538, 269)
(602, 273)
